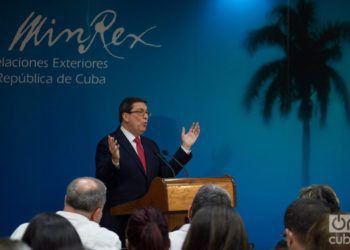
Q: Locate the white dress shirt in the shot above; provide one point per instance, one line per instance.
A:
(130, 137)
(177, 237)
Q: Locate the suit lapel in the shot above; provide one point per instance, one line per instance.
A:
(149, 156)
(128, 148)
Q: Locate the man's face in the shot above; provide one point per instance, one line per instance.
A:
(136, 120)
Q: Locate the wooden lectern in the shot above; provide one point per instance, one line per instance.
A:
(174, 197)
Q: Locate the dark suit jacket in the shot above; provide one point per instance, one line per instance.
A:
(130, 181)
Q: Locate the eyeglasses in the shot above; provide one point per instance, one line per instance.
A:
(140, 113)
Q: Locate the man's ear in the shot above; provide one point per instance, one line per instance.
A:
(289, 237)
(96, 215)
(125, 117)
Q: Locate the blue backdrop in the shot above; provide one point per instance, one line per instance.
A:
(66, 65)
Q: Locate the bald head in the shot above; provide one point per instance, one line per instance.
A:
(86, 194)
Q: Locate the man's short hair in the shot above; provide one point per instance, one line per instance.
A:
(323, 193)
(210, 195)
(126, 105)
(302, 214)
(86, 194)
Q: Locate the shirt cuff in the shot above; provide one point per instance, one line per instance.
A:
(186, 150)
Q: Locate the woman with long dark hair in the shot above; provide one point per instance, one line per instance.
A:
(216, 228)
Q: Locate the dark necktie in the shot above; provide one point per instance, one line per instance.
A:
(141, 153)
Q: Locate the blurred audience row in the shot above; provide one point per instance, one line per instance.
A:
(311, 222)
(308, 222)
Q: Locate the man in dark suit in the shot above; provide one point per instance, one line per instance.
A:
(127, 162)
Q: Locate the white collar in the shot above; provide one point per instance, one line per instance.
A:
(127, 134)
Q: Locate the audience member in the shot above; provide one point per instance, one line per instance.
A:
(319, 236)
(207, 195)
(324, 193)
(10, 244)
(84, 201)
(147, 229)
(50, 231)
(299, 217)
(216, 228)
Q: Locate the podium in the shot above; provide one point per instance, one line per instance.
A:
(174, 197)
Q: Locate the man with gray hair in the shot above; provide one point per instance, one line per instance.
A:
(83, 205)
(207, 195)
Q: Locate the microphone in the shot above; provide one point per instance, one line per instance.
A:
(161, 157)
(166, 153)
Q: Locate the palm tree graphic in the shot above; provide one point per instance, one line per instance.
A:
(304, 76)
